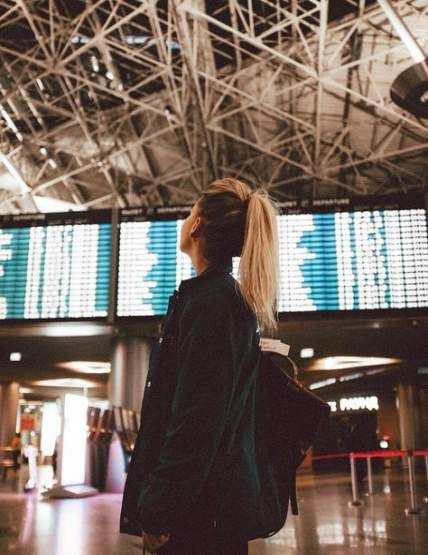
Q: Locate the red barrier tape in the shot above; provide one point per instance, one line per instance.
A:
(384, 454)
(332, 456)
(379, 454)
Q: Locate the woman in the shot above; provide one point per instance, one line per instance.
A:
(198, 481)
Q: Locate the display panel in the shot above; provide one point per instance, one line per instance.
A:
(55, 266)
(151, 264)
(368, 253)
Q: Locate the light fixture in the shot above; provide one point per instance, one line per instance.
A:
(346, 362)
(95, 64)
(24, 390)
(307, 352)
(86, 366)
(323, 383)
(74, 329)
(15, 357)
(66, 382)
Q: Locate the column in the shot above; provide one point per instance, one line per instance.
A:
(388, 421)
(423, 403)
(408, 415)
(129, 361)
(9, 400)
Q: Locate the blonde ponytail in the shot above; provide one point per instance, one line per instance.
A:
(240, 222)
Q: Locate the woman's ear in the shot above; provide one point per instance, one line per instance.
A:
(196, 227)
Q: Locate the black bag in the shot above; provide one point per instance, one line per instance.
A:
(290, 417)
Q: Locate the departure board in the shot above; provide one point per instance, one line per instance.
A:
(55, 266)
(151, 264)
(347, 254)
(354, 260)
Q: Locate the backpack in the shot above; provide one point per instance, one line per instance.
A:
(289, 417)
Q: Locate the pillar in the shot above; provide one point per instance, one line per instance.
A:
(423, 403)
(9, 401)
(388, 421)
(408, 415)
(129, 366)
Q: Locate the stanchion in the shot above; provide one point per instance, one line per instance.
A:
(355, 501)
(31, 453)
(370, 475)
(426, 468)
(413, 509)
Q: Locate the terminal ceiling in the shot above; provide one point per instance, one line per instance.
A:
(125, 102)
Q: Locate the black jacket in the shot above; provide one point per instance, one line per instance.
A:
(198, 450)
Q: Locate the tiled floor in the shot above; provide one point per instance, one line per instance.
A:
(326, 525)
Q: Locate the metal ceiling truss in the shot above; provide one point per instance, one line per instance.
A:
(124, 103)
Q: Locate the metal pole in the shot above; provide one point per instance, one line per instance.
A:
(426, 469)
(370, 475)
(355, 501)
(413, 509)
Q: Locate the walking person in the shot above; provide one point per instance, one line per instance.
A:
(198, 481)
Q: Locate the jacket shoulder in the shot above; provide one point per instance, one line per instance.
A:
(221, 292)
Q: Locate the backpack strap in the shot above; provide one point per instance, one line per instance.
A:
(293, 493)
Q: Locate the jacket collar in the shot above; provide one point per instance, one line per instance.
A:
(224, 267)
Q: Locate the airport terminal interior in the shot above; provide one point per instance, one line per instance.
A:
(115, 116)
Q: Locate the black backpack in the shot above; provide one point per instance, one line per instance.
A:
(289, 419)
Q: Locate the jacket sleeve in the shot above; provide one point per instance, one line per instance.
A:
(205, 353)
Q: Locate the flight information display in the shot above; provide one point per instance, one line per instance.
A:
(151, 264)
(354, 260)
(343, 254)
(55, 266)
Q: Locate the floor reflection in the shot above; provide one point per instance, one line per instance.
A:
(30, 525)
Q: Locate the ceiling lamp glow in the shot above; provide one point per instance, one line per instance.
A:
(345, 362)
(86, 366)
(66, 382)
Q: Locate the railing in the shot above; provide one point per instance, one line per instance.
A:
(384, 454)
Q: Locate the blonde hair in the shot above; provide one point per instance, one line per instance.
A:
(238, 221)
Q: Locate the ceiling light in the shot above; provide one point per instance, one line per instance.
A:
(79, 39)
(66, 382)
(15, 357)
(95, 64)
(110, 75)
(322, 383)
(43, 151)
(350, 377)
(345, 362)
(74, 330)
(307, 352)
(86, 366)
(24, 390)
